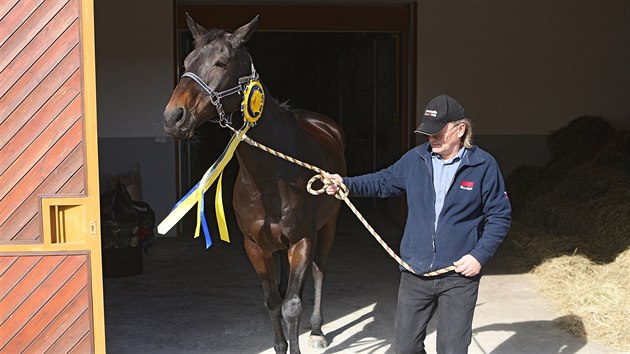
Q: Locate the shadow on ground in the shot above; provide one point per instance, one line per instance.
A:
(193, 300)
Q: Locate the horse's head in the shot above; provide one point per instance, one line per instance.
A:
(210, 87)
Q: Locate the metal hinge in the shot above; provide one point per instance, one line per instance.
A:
(92, 228)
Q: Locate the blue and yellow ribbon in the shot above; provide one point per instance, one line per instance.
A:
(252, 107)
(195, 195)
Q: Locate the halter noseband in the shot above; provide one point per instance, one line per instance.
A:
(215, 97)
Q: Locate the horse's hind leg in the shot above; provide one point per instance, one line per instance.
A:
(326, 236)
(262, 262)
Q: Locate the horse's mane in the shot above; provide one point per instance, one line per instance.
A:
(284, 104)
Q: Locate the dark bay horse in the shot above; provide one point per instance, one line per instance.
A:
(272, 207)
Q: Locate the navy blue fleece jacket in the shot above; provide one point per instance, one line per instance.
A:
(474, 220)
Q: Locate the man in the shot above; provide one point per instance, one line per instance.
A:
(458, 214)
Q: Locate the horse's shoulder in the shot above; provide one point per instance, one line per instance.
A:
(320, 126)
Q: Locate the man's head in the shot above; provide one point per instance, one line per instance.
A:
(440, 111)
(445, 126)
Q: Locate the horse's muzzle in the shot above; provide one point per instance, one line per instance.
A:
(177, 124)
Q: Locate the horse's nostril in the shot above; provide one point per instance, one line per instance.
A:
(178, 115)
(174, 116)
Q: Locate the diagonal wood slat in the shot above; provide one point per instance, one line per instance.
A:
(43, 52)
(25, 288)
(46, 285)
(44, 142)
(18, 15)
(14, 189)
(26, 81)
(75, 184)
(73, 335)
(6, 262)
(23, 223)
(59, 324)
(16, 273)
(57, 30)
(29, 230)
(28, 30)
(52, 184)
(53, 308)
(64, 282)
(84, 346)
(34, 144)
(67, 95)
(6, 6)
(49, 310)
(18, 105)
(32, 230)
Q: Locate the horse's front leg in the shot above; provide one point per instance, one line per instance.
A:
(325, 238)
(300, 256)
(262, 261)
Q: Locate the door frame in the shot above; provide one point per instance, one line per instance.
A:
(399, 18)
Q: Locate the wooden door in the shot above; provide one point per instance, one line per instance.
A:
(51, 290)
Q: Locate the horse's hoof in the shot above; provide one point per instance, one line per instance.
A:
(281, 349)
(318, 342)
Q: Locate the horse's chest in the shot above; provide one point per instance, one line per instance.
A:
(281, 204)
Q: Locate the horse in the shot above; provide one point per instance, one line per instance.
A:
(273, 209)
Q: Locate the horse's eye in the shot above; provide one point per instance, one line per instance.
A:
(220, 64)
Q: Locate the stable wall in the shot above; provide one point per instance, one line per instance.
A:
(522, 69)
(134, 71)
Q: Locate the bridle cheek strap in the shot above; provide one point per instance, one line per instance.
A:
(215, 97)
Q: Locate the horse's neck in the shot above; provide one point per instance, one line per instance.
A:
(276, 128)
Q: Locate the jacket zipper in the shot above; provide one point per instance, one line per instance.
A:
(434, 233)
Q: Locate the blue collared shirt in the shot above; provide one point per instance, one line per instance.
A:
(443, 174)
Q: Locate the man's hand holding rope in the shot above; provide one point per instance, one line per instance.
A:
(332, 183)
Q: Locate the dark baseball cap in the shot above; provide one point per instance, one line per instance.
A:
(440, 110)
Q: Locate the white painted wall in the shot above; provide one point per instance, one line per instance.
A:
(526, 67)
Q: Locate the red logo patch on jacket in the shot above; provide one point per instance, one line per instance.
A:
(467, 185)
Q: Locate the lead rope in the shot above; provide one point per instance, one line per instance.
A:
(342, 194)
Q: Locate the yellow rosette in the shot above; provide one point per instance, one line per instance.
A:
(253, 102)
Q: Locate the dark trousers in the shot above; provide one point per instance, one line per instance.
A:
(452, 295)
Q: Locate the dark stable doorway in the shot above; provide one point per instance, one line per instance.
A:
(352, 77)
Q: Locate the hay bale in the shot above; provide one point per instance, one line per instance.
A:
(571, 224)
(519, 184)
(573, 144)
(589, 201)
(595, 298)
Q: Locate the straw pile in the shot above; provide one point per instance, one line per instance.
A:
(571, 222)
(597, 296)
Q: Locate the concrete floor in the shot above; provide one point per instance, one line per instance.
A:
(193, 300)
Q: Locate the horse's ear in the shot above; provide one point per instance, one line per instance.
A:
(196, 29)
(244, 33)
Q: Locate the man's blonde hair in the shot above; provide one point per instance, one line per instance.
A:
(467, 138)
